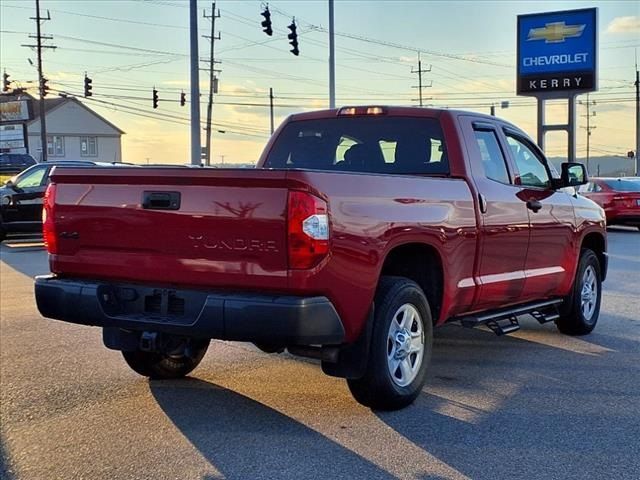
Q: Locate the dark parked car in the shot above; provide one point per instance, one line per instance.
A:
(12, 163)
(620, 198)
(21, 197)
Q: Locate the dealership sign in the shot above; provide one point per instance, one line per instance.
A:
(557, 52)
(15, 111)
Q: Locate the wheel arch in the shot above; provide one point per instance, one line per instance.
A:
(421, 263)
(596, 242)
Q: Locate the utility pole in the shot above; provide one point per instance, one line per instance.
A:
(420, 71)
(332, 59)
(212, 80)
(637, 120)
(589, 127)
(196, 151)
(271, 107)
(42, 81)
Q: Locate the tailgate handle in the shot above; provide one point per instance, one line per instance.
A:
(161, 200)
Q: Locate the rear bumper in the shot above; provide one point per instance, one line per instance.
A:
(623, 218)
(282, 320)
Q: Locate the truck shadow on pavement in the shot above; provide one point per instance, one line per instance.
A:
(542, 405)
(6, 472)
(244, 439)
(512, 408)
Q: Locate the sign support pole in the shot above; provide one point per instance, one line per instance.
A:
(571, 129)
(541, 125)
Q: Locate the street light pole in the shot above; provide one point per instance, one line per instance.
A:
(332, 59)
(196, 151)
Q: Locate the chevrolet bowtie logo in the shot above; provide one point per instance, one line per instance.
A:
(555, 32)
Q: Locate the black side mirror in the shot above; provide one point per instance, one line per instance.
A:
(573, 174)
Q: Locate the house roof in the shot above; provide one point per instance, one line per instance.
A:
(51, 104)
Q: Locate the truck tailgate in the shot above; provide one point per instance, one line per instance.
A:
(178, 226)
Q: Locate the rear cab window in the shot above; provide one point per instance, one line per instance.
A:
(380, 144)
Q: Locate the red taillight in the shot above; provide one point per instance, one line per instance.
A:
(48, 227)
(308, 230)
(623, 200)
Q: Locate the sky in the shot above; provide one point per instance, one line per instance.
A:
(128, 47)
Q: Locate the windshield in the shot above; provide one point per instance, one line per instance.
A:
(624, 184)
(362, 144)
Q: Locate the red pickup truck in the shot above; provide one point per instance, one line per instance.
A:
(359, 231)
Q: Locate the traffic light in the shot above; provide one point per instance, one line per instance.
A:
(5, 82)
(266, 23)
(183, 99)
(44, 88)
(87, 86)
(155, 98)
(293, 38)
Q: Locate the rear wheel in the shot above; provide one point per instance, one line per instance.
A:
(400, 347)
(582, 307)
(167, 365)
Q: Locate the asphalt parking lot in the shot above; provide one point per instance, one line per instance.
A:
(534, 405)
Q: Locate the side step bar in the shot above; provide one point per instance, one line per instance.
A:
(505, 320)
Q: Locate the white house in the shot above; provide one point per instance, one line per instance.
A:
(74, 132)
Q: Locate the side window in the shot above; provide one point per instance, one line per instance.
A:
(345, 144)
(89, 146)
(586, 188)
(388, 149)
(55, 146)
(31, 179)
(596, 188)
(533, 172)
(493, 160)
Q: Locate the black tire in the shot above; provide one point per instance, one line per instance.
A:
(573, 319)
(160, 366)
(378, 389)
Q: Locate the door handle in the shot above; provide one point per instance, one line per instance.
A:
(161, 200)
(534, 205)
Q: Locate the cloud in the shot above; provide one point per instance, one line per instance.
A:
(630, 24)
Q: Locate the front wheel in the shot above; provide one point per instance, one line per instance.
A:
(161, 366)
(400, 347)
(582, 308)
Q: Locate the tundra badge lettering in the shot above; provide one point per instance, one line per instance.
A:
(235, 244)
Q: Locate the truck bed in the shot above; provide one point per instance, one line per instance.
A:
(227, 230)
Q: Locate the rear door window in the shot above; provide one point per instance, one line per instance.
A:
(493, 161)
(381, 144)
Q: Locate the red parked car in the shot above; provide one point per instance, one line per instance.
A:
(620, 198)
